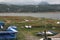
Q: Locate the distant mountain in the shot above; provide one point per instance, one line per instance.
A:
(43, 3)
(42, 7)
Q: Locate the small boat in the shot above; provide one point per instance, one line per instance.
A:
(9, 33)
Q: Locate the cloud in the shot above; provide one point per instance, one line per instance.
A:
(2, 0)
(53, 1)
(30, 1)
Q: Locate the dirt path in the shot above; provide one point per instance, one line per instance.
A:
(28, 36)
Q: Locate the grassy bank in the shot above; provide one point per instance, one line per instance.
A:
(38, 24)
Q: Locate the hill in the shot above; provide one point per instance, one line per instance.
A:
(29, 8)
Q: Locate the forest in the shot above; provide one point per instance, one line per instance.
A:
(29, 8)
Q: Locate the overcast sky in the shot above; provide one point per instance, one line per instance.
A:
(30, 1)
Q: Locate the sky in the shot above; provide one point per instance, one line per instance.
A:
(30, 1)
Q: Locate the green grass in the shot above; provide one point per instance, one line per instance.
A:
(38, 25)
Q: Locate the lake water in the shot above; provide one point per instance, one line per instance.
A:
(54, 15)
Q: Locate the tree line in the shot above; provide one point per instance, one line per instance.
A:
(29, 8)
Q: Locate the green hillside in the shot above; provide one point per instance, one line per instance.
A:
(29, 8)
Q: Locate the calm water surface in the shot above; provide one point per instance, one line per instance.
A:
(54, 15)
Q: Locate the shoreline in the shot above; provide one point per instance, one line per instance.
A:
(30, 12)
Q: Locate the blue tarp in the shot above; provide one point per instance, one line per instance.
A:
(7, 35)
